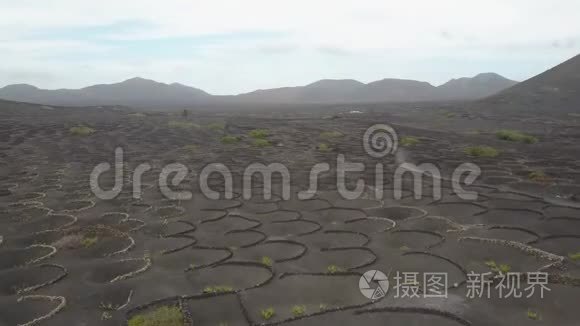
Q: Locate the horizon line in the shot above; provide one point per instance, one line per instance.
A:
(259, 89)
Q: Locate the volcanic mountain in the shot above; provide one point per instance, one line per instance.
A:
(385, 90)
(480, 86)
(135, 92)
(556, 89)
(145, 93)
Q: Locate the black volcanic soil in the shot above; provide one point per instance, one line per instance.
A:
(69, 258)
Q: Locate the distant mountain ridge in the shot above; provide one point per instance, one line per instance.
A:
(385, 90)
(137, 92)
(140, 92)
(482, 85)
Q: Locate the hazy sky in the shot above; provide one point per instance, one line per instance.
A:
(228, 47)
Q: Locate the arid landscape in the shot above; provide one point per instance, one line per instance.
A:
(70, 258)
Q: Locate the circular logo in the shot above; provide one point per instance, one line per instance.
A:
(374, 284)
(380, 140)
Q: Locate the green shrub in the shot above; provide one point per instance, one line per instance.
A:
(501, 268)
(533, 315)
(481, 151)
(230, 139)
(575, 256)
(166, 316)
(323, 148)
(218, 289)
(89, 241)
(538, 176)
(267, 261)
(190, 148)
(81, 131)
(259, 142)
(516, 136)
(137, 115)
(409, 141)
(298, 310)
(216, 126)
(333, 269)
(504, 268)
(267, 313)
(259, 133)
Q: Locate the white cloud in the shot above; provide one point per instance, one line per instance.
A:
(350, 32)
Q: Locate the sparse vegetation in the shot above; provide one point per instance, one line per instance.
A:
(298, 310)
(267, 261)
(404, 248)
(323, 148)
(574, 256)
(137, 115)
(333, 269)
(538, 176)
(498, 269)
(81, 131)
(166, 316)
(267, 313)
(89, 241)
(259, 142)
(173, 124)
(216, 126)
(190, 148)
(107, 306)
(449, 115)
(322, 307)
(516, 136)
(481, 151)
(409, 141)
(230, 140)
(331, 134)
(259, 133)
(533, 315)
(106, 315)
(218, 289)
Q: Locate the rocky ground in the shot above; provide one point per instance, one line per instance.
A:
(70, 258)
